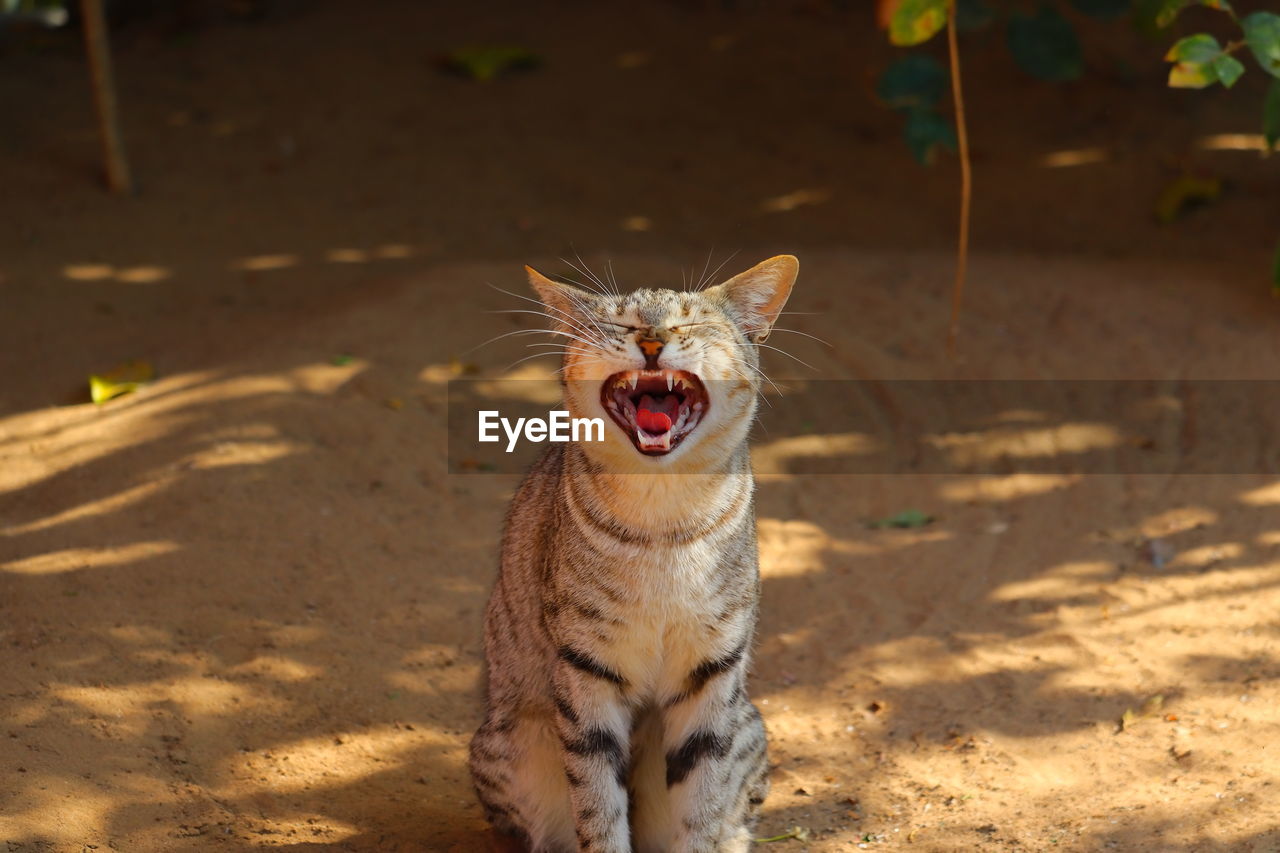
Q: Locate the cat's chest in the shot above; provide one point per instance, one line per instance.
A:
(675, 620)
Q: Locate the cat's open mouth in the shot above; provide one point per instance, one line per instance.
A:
(655, 408)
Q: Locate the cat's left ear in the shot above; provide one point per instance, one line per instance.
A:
(756, 296)
(565, 301)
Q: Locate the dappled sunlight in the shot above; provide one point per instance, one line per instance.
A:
(456, 678)
(194, 695)
(1075, 157)
(1263, 496)
(954, 673)
(143, 274)
(329, 761)
(1061, 581)
(1093, 155)
(1234, 142)
(798, 198)
(774, 456)
(1006, 488)
(80, 559)
(791, 547)
(968, 449)
(265, 263)
(241, 453)
(795, 547)
(1178, 520)
(346, 256)
(118, 502)
(60, 806)
(389, 251)
(277, 668)
(526, 384)
(1206, 557)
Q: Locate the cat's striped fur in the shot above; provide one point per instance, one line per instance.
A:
(619, 632)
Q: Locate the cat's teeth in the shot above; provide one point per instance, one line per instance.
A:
(635, 379)
(680, 422)
(655, 442)
(671, 382)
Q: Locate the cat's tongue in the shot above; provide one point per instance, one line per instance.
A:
(650, 421)
(654, 418)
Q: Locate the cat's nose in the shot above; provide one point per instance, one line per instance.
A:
(650, 348)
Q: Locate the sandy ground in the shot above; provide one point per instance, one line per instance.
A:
(241, 607)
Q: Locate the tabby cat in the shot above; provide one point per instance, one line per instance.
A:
(619, 631)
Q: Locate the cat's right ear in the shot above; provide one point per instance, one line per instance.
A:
(756, 296)
(564, 300)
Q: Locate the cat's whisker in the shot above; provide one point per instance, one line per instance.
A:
(787, 354)
(610, 276)
(581, 360)
(565, 350)
(705, 267)
(825, 343)
(566, 318)
(596, 285)
(528, 332)
(597, 336)
(702, 284)
(604, 289)
(736, 360)
(520, 361)
(500, 337)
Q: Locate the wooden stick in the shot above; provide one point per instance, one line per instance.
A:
(104, 95)
(966, 180)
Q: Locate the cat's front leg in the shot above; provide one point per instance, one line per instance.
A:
(716, 759)
(594, 724)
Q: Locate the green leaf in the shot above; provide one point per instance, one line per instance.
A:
(1102, 8)
(1262, 32)
(1184, 193)
(927, 131)
(1199, 61)
(916, 21)
(124, 379)
(1045, 45)
(1271, 115)
(1199, 49)
(1228, 69)
(906, 518)
(486, 63)
(916, 80)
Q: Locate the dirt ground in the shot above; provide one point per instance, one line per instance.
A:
(241, 607)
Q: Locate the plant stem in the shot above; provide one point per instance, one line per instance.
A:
(104, 95)
(966, 179)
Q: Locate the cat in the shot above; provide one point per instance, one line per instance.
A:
(618, 634)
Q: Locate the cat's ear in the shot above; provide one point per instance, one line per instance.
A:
(564, 300)
(755, 297)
